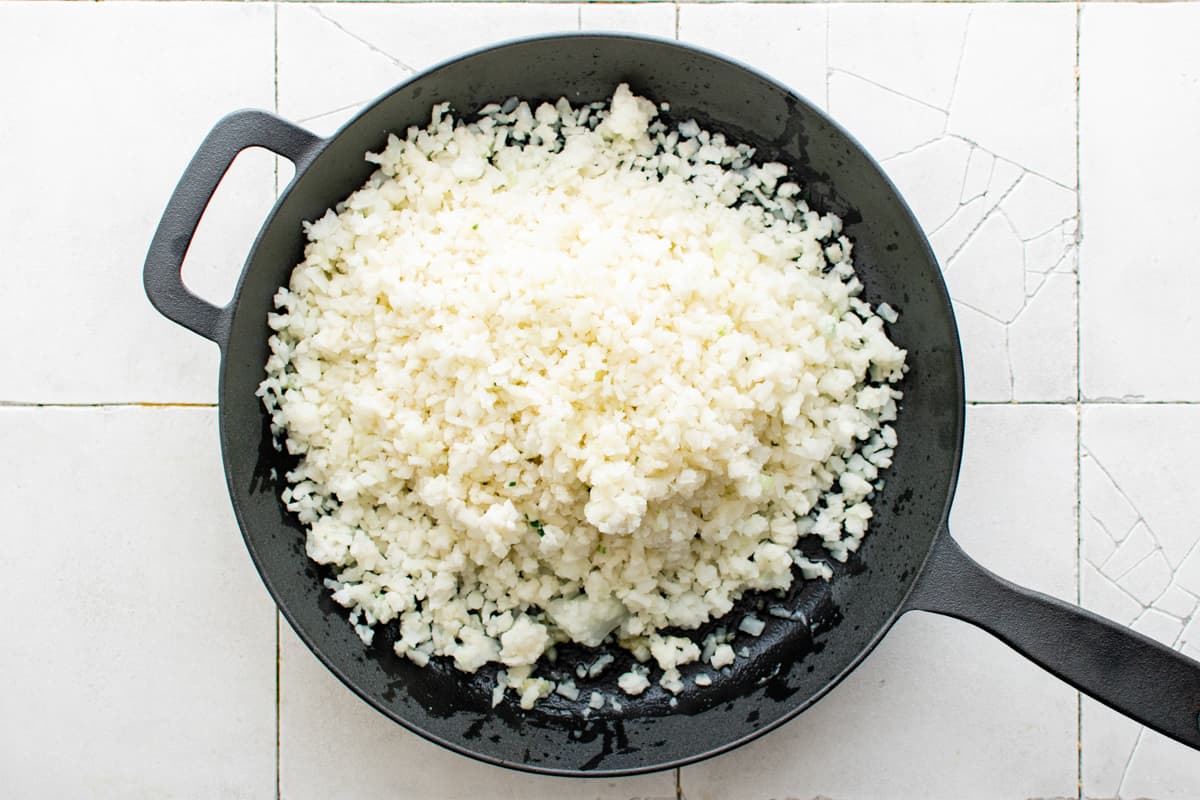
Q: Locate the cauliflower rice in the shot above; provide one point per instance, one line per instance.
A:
(572, 374)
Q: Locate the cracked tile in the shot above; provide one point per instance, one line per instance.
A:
(1136, 548)
(1158, 625)
(1098, 544)
(787, 41)
(1189, 640)
(1140, 513)
(1148, 579)
(366, 38)
(1005, 175)
(1104, 501)
(1041, 341)
(1047, 252)
(143, 86)
(1176, 601)
(1159, 524)
(875, 41)
(986, 188)
(1037, 206)
(1188, 573)
(1106, 597)
(914, 707)
(334, 58)
(1138, 292)
(951, 236)
(988, 269)
(1142, 765)
(890, 123)
(948, 238)
(1157, 763)
(1104, 731)
(313, 94)
(981, 274)
(422, 34)
(979, 174)
(931, 178)
(1022, 109)
(370, 754)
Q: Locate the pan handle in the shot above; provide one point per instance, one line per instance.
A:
(1121, 668)
(162, 275)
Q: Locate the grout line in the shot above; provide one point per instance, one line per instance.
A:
(613, 2)
(129, 404)
(275, 59)
(679, 783)
(278, 790)
(828, 57)
(316, 9)
(1083, 402)
(320, 115)
(278, 730)
(1078, 406)
(1078, 214)
(275, 78)
(1078, 583)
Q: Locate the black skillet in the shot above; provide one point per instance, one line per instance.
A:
(908, 561)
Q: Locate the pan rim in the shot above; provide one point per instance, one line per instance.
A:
(901, 608)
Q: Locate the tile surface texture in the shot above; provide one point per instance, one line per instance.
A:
(1141, 567)
(139, 656)
(1139, 94)
(1048, 150)
(73, 257)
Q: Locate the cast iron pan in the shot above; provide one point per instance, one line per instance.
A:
(907, 562)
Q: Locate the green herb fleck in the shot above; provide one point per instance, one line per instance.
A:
(603, 550)
(721, 331)
(512, 483)
(475, 227)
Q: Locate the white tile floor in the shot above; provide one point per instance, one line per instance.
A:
(139, 644)
(1056, 208)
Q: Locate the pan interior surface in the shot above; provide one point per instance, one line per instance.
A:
(834, 623)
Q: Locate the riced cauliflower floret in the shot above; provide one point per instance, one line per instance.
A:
(629, 116)
(585, 620)
(633, 683)
(475, 650)
(671, 680)
(524, 642)
(535, 689)
(722, 656)
(673, 651)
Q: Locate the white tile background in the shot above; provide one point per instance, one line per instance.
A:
(1048, 149)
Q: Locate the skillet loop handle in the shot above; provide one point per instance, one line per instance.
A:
(162, 275)
(1121, 668)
